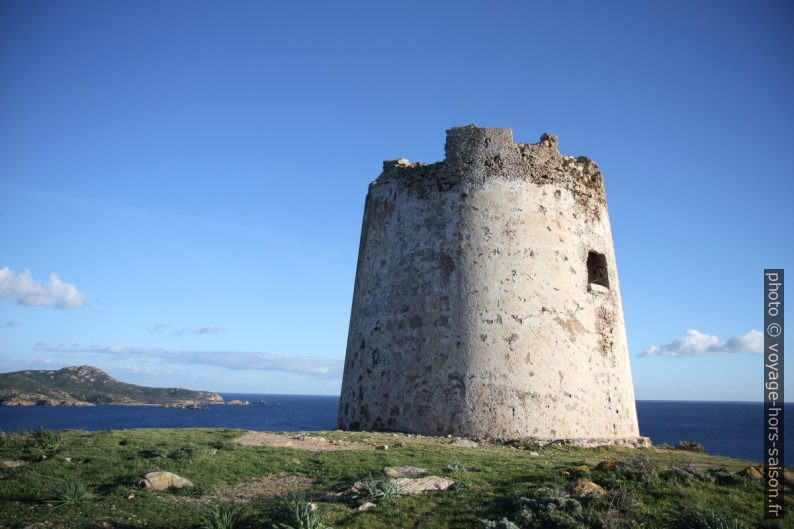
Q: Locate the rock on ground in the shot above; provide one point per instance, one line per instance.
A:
(404, 472)
(368, 506)
(584, 488)
(164, 480)
(465, 443)
(425, 484)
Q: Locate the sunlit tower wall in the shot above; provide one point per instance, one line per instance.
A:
(486, 301)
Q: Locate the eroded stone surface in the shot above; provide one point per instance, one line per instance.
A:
(487, 301)
(164, 480)
(422, 485)
(404, 472)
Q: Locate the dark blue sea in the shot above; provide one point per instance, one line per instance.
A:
(725, 428)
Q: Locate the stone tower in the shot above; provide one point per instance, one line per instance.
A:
(486, 301)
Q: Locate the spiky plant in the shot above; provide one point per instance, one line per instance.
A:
(222, 516)
(375, 489)
(47, 440)
(454, 466)
(298, 514)
(73, 491)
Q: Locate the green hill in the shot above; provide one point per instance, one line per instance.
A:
(87, 385)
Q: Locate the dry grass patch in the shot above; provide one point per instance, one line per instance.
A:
(263, 488)
(298, 442)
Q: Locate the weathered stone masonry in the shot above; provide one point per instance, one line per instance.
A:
(486, 301)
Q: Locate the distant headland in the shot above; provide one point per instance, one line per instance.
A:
(89, 386)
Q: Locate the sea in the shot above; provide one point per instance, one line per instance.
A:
(731, 429)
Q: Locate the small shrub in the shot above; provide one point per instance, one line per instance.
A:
(157, 452)
(73, 491)
(619, 499)
(189, 450)
(697, 518)
(223, 516)
(185, 451)
(548, 508)
(47, 440)
(123, 442)
(580, 471)
(297, 514)
(691, 446)
(618, 508)
(636, 469)
(685, 475)
(460, 485)
(376, 489)
(722, 477)
(223, 445)
(504, 523)
(454, 466)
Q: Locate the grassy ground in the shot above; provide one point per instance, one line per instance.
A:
(648, 488)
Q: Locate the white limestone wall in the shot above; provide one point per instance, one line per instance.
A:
(473, 313)
(545, 351)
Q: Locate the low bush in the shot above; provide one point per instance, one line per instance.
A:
(691, 446)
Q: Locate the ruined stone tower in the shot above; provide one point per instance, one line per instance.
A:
(486, 301)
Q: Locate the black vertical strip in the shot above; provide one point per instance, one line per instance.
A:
(773, 394)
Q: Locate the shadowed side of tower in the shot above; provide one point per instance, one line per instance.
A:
(486, 301)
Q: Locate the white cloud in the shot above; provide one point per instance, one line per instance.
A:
(26, 291)
(157, 328)
(246, 360)
(696, 343)
(206, 329)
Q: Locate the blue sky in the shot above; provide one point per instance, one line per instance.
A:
(194, 172)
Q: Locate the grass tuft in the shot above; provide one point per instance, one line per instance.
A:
(374, 489)
(73, 491)
(454, 466)
(47, 440)
(222, 516)
(298, 514)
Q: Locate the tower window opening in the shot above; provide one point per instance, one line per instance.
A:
(597, 269)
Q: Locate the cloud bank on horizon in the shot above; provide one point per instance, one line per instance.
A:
(246, 360)
(56, 293)
(696, 343)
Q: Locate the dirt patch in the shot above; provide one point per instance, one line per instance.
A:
(263, 488)
(298, 442)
